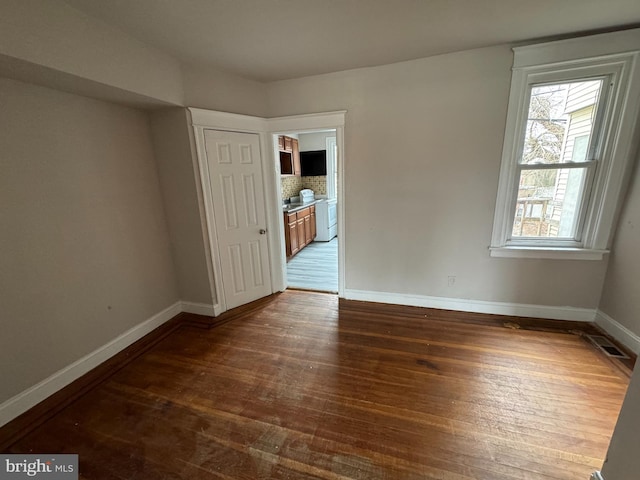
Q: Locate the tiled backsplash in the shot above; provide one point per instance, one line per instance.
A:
(317, 184)
(291, 185)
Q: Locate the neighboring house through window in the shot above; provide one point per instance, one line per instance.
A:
(568, 146)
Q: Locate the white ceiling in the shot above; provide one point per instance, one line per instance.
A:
(270, 40)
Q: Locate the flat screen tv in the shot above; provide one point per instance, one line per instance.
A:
(313, 163)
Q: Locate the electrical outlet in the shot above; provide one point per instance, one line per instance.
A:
(451, 280)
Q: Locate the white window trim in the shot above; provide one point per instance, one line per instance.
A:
(612, 53)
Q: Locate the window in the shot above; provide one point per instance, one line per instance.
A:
(558, 161)
(568, 145)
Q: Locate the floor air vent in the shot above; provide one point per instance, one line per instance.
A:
(606, 346)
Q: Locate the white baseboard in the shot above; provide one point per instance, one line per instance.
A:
(27, 399)
(475, 306)
(618, 331)
(200, 308)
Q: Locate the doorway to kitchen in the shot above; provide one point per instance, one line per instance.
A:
(308, 162)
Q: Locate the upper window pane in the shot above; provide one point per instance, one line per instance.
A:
(560, 122)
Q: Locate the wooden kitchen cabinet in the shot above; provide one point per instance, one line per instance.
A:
(289, 155)
(299, 229)
(295, 153)
(291, 233)
(302, 239)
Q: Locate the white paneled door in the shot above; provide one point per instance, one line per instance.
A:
(235, 177)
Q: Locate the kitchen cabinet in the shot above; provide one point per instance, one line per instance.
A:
(307, 229)
(303, 218)
(295, 152)
(289, 155)
(291, 233)
(299, 229)
(302, 239)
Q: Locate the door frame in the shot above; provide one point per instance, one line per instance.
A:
(202, 120)
(333, 169)
(308, 124)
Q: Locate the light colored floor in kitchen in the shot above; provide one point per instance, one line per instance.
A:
(315, 267)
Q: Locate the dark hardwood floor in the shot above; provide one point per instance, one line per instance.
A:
(300, 388)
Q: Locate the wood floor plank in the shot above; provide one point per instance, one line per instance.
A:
(302, 388)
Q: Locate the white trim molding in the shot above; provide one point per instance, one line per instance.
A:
(618, 331)
(203, 120)
(615, 59)
(227, 121)
(30, 397)
(211, 247)
(475, 306)
(203, 214)
(578, 47)
(550, 253)
(311, 121)
(300, 124)
(200, 308)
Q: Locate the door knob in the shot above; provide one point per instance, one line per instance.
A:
(262, 231)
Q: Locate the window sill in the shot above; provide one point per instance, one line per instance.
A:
(548, 253)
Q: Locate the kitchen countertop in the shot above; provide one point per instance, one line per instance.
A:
(294, 207)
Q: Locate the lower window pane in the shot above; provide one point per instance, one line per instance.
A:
(548, 204)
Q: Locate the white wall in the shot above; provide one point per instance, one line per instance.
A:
(171, 138)
(54, 35)
(217, 90)
(53, 44)
(314, 141)
(423, 147)
(622, 461)
(621, 292)
(86, 252)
